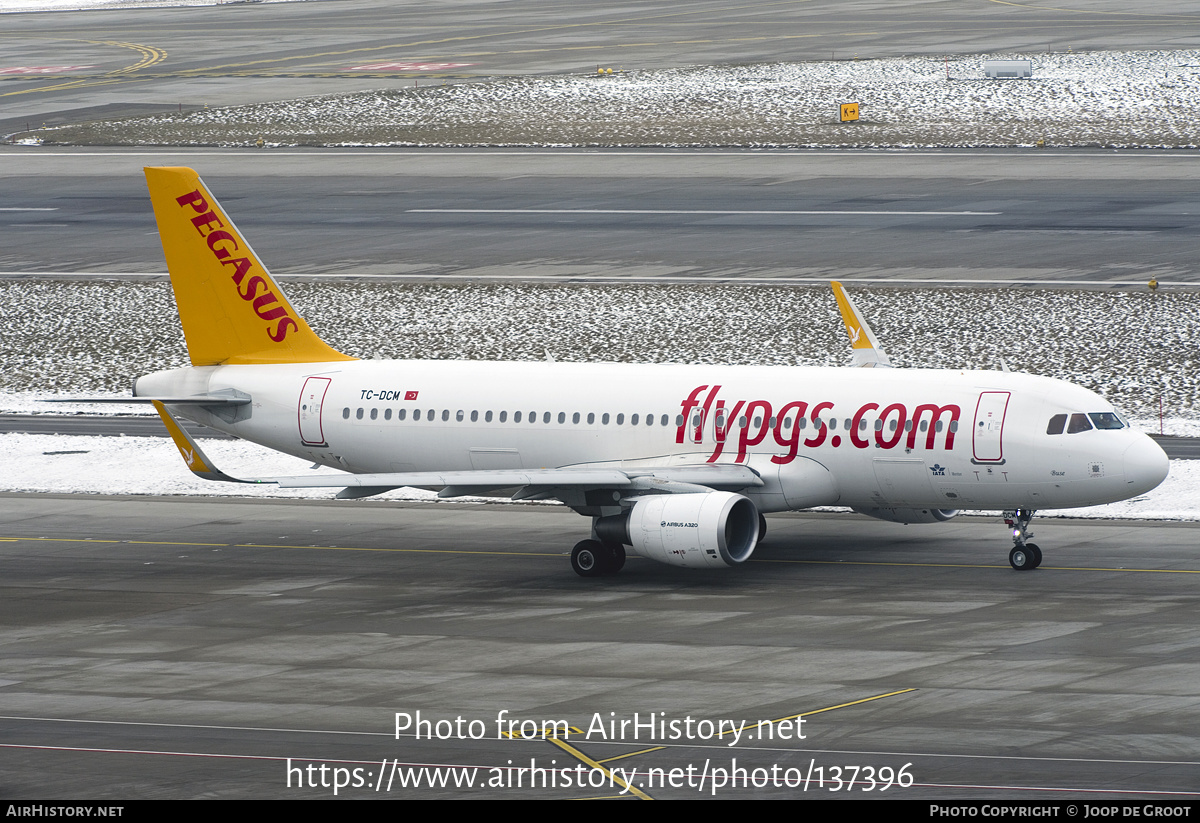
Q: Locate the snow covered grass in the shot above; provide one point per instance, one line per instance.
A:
(59, 464)
(1136, 348)
(1116, 99)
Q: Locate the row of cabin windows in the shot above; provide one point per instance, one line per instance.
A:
(461, 416)
(1080, 422)
(664, 420)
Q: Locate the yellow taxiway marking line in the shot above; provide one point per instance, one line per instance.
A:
(470, 37)
(1093, 11)
(844, 705)
(632, 754)
(598, 764)
(267, 546)
(583, 758)
(973, 566)
(400, 551)
(9, 539)
(150, 56)
(829, 708)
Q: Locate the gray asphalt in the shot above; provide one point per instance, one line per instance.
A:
(135, 61)
(188, 648)
(1103, 218)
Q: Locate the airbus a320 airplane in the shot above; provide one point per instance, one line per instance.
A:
(676, 462)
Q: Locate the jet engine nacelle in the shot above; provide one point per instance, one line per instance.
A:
(700, 531)
(911, 515)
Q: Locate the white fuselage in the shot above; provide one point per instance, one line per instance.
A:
(865, 438)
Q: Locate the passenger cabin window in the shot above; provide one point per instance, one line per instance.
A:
(1057, 423)
(1079, 423)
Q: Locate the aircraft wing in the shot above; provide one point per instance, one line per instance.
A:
(863, 343)
(532, 483)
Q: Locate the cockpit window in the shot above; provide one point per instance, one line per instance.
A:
(1107, 420)
(1079, 423)
(1057, 423)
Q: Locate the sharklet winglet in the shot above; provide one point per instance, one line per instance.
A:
(863, 343)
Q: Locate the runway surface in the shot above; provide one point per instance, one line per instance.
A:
(188, 648)
(129, 62)
(1067, 218)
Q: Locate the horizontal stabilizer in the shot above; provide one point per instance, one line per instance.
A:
(192, 400)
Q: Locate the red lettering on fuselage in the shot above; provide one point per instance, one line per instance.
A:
(755, 419)
(222, 244)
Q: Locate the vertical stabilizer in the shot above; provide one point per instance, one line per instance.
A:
(866, 349)
(231, 309)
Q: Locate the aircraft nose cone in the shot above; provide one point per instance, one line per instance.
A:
(1145, 465)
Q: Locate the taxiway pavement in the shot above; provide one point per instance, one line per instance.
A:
(189, 648)
(1065, 218)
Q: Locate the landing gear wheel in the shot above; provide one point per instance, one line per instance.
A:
(616, 557)
(1022, 559)
(1033, 549)
(589, 558)
(762, 528)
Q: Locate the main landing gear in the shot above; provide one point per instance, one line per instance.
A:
(591, 558)
(1024, 556)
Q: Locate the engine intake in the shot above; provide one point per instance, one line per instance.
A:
(699, 531)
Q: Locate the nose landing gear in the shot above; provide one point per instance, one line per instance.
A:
(1024, 556)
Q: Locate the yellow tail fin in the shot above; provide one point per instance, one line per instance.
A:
(231, 309)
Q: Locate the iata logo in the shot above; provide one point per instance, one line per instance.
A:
(223, 244)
